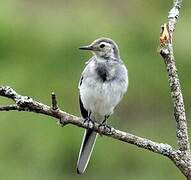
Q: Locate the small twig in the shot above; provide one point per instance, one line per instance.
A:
(54, 101)
(55, 109)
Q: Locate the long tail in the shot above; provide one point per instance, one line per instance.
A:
(88, 142)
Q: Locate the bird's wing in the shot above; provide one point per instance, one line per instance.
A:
(83, 111)
(87, 142)
(85, 71)
(89, 135)
(87, 145)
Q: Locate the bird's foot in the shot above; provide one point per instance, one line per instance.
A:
(89, 123)
(105, 127)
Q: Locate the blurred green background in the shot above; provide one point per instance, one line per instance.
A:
(39, 42)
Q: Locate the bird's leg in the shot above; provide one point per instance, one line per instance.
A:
(88, 122)
(104, 126)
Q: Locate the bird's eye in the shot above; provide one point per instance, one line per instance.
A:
(102, 45)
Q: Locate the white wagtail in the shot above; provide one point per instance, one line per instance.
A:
(102, 85)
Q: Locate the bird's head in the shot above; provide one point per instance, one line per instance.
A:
(103, 48)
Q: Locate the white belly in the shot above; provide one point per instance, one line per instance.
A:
(101, 97)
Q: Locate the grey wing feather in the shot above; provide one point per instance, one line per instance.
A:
(83, 111)
(85, 71)
(89, 137)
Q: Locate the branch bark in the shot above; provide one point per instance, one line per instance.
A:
(180, 157)
(166, 51)
(25, 103)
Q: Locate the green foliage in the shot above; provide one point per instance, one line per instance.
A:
(39, 54)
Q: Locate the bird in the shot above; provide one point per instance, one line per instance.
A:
(102, 85)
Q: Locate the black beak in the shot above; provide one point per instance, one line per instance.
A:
(90, 48)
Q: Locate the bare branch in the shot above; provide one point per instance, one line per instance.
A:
(25, 103)
(166, 51)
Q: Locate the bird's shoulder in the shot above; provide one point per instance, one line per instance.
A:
(86, 69)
